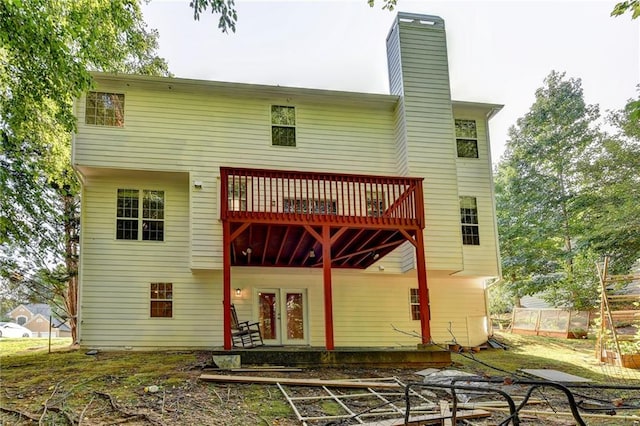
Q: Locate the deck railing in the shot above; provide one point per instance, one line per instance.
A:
(311, 197)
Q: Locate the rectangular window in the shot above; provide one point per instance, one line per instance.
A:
(237, 193)
(104, 109)
(283, 125)
(127, 214)
(375, 203)
(310, 206)
(414, 304)
(466, 138)
(469, 220)
(161, 300)
(130, 224)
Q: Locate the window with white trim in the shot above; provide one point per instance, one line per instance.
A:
(316, 206)
(135, 223)
(469, 221)
(414, 303)
(21, 320)
(466, 138)
(104, 109)
(375, 203)
(237, 193)
(283, 125)
(161, 300)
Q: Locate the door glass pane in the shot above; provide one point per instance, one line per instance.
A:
(295, 316)
(267, 314)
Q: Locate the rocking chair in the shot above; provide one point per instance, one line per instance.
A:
(245, 334)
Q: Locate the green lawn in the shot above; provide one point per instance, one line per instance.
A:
(9, 347)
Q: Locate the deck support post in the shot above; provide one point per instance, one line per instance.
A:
(226, 283)
(328, 295)
(423, 289)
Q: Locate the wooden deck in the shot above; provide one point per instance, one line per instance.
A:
(273, 215)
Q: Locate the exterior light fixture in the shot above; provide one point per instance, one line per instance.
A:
(238, 291)
(247, 251)
(375, 255)
(312, 254)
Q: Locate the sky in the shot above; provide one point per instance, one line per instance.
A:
(499, 51)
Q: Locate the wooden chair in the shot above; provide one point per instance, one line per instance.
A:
(245, 334)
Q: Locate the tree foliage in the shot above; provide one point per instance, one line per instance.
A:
(633, 6)
(538, 183)
(47, 50)
(228, 16)
(566, 195)
(610, 194)
(623, 7)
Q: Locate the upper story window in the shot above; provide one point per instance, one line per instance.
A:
(469, 220)
(104, 109)
(466, 138)
(283, 125)
(134, 223)
(22, 320)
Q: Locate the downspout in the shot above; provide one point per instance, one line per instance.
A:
(499, 279)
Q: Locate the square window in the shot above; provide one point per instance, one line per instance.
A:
(283, 125)
(161, 300)
(467, 148)
(104, 109)
(133, 222)
(466, 138)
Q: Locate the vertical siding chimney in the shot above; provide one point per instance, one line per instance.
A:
(425, 139)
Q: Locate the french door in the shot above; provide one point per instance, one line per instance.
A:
(282, 314)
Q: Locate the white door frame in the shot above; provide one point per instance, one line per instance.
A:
(281, 325)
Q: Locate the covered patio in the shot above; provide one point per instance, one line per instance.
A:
(276, 218)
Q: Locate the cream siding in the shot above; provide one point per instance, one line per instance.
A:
(199, 131)
(475, 179)
(116, 274)
(427, 132)
(458, 310)
(180, 131)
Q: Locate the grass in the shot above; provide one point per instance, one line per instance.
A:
(68, 378)
(572, 356)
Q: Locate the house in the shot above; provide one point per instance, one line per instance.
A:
(38, 318)
(335, 219)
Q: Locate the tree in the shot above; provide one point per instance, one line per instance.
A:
(228, 16)
(610, 194)
(621, 8)
(537, 185)
(47, 49)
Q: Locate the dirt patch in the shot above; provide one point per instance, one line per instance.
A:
(163, 388)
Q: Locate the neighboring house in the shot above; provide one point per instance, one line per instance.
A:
(333, 218)
(35, 317)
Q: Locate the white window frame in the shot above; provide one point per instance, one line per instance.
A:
(466, 137)
(143, 218)
(102, 114)
(414, 303)
(469, 239)
(275, 125)
(163, 300)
